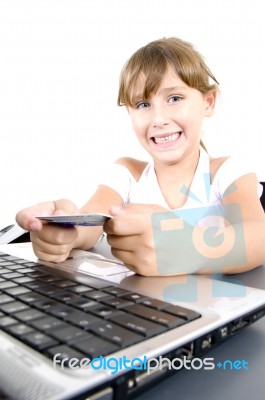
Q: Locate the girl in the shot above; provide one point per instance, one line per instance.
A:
(169, 209)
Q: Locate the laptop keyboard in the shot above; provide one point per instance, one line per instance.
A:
(52, 313)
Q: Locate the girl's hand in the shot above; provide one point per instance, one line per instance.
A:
(130, 235)
(50, 242)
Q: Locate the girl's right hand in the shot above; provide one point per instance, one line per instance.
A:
(50, 242)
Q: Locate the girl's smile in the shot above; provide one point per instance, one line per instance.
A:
(166, 140)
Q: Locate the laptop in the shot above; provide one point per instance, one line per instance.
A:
(88, 328)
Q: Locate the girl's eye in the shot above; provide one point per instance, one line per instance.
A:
(174, 99)
(142, 105)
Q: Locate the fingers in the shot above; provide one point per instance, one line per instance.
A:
(50, 242)
(53, 243)
(122, 242)
(124, 225)
(124, 255)
(65, 206)
(142, 263)
(131, 219)
(26, 218)
(55, 234)
(130, 235)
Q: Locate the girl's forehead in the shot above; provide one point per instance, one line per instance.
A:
(172, 78)
(169, 80)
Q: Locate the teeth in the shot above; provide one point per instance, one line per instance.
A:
(170, 138)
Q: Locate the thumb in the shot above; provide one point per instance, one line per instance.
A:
(65, 206)
(26, 218)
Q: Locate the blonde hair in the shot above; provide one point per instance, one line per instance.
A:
(153, 60)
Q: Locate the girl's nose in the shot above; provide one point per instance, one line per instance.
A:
(160, 117)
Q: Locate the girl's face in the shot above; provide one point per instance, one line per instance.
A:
(168, 125)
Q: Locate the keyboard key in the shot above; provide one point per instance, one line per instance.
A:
(96, 283)
(19, 329)
(4, 298)
(13, 267)
(104, 311)
(94, 346)
(46, 305)
(4, 271)
(29, 315)
(31, 297)
(80, 289)
(35, 284)
(31, 264)
(13, 307)
(82, 319)
(117, 302)
(169, 320)
(25, 270)
(64, 353)
(115, 333)
(39, 340)
(6, 285)
(154, 303)
(25, 262)
(6, 321)
(65, 296)
(7, 264)
(11, 275)
(96, 295)
(37, 274)
(137, 324)
(69, 334)
(83, 304)
(62, 311)
(49, 278)
(185, 313)
(17, 290)
(9, 257)
(48, 290)
(47, 323)
(116, 291)
(135, 297)
(64, 283)
(17, 260)
(24, 279)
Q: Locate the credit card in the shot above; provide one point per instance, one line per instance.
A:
(97, 219)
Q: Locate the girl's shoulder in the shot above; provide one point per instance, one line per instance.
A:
(225, 171)
(215, 165)
(136, 167)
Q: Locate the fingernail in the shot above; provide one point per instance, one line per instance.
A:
(34, 226)
(114, 210)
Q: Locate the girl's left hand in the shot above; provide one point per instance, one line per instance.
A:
(130, 235)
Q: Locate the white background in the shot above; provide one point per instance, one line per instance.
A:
(60, 60)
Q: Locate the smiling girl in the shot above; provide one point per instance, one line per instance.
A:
(168, 91)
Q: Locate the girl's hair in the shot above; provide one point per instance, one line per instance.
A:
(153, 60)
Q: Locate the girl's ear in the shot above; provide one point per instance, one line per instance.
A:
(210, 101)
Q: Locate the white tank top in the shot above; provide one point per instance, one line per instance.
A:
(202, 192)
